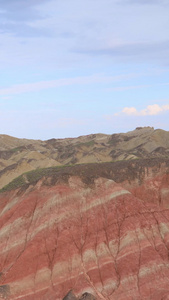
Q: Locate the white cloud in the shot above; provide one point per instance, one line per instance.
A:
(150, 110)
(130, 111)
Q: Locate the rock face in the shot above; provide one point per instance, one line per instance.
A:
(70, 296)
(86, 296)
(93, 237)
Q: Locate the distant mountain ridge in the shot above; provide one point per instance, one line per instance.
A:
(22, 155)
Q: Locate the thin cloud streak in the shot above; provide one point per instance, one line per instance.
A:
(38, 86)
(136, 51)
(146, 2)
(133, 87)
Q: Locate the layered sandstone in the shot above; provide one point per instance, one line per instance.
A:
(90, 237)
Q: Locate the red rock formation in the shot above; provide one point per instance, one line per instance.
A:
(153, 187)
(98, 239)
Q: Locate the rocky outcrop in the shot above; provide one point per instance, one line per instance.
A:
(4, 291)
(70, 296)
(87, 296)
(95, 239)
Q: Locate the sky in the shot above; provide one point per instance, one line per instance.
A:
(71, 67)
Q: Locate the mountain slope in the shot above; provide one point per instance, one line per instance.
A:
(51, 242)
(20, 155)
(99, 229)
(75, 228)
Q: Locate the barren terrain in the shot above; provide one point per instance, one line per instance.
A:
(77, 229)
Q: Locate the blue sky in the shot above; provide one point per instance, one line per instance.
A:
(72, 67)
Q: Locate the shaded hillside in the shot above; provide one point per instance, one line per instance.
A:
(20, 155)
(119, 171)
